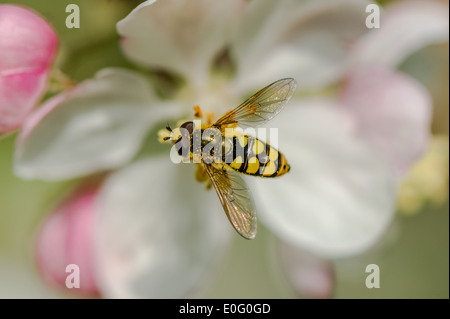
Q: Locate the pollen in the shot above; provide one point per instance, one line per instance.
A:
(198, 112)
(209, 117)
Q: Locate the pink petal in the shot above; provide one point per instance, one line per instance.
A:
(309, 276)
(393, 111)
(28, 45)
(66, 238)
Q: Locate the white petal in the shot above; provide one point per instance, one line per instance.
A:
(306, 40)
(181, 36)
(338, 197)
(405, 27)
(96, 126)
(393, 112)
(160, 232)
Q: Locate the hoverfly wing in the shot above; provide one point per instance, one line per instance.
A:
(262, 106)
(236, 200)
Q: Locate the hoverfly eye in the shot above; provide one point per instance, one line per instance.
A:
(189, 126)
(182, 146)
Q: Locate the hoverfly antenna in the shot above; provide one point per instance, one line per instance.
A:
(168, 128)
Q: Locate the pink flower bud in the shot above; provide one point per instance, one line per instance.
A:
(64, 248)
(28, 45)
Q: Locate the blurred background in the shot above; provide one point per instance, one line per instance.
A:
(414, 257)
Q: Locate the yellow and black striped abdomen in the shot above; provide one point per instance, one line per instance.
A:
(248, 155)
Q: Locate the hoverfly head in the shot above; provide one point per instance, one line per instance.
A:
(165, 135)
(182, 136)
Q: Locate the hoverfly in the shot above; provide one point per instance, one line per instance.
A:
(241, 154)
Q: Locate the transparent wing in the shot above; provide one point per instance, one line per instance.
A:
(261, 107)
(236, 200)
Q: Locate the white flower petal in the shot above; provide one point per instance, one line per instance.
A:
(306, 40)
(98, 125)
(393, 112)
(338, 197)
(160, 232)
(405, 27)
(181, 36)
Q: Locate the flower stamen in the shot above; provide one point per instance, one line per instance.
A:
(198, 111)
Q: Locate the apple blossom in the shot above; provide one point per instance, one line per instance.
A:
(158, 232)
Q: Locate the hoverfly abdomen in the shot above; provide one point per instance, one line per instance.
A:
(251, 156)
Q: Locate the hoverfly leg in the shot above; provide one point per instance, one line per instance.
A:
(202, 176)
(200, 173)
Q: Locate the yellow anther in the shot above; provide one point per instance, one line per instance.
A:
(198, 112)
